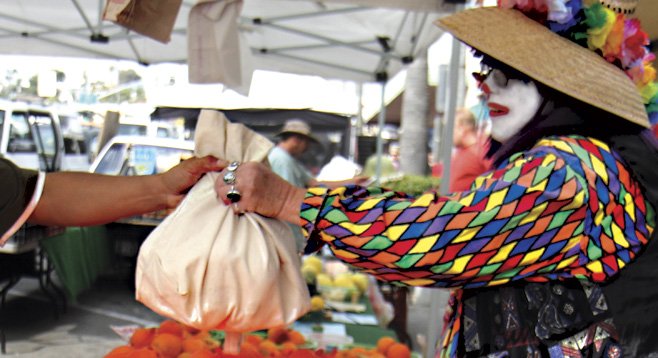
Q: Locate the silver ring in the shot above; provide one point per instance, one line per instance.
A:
(233, 194)
(229, 178)
(233, 166)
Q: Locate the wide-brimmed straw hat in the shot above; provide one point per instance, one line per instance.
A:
(299, 127)
(524, 44)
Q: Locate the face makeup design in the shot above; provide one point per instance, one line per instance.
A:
(512, 103)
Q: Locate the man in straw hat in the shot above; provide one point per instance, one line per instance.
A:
(552, 252)
(294, 139)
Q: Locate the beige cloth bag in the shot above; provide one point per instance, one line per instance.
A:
(217, 51)
(208, 268)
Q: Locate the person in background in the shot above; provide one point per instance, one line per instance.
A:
(469, 158)
(294, 139)
(390, 163)
(553, 253)
(82, 199)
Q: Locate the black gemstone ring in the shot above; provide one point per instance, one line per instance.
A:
(233, 194)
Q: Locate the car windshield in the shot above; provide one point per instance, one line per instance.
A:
(132, 129)
(138, 159)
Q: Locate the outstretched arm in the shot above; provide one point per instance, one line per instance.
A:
(525, 220)
(78, 199)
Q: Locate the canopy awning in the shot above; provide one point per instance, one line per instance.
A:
(342, 39)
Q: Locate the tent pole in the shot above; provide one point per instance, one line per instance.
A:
(438, 297)
(381, 120)
(440, 102)
(356, 125)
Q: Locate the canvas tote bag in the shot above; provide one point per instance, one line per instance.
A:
(209, 268)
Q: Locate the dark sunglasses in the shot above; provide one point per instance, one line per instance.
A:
(499, 77)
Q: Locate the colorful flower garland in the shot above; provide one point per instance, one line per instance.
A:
(618, 39)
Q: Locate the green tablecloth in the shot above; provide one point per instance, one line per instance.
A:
(79, 256)
(368, 335)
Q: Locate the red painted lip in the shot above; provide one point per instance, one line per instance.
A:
(496, 110)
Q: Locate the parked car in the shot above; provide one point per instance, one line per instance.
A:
(140, 155)
(30, 136)
(137, 155)
(129, 126)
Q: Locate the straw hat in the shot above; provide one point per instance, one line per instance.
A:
(513, 38)
(297, 126)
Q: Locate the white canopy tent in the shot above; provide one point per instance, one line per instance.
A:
(352, 40)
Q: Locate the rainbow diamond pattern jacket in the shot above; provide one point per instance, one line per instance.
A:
(565, 209)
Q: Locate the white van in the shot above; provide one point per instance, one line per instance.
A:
(30, 136)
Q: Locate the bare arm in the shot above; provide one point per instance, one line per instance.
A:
(77, 199)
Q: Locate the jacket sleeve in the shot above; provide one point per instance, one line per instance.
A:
(524, 220)
(17, 197)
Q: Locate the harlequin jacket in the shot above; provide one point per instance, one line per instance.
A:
(534, 248)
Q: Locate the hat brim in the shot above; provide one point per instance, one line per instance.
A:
(522, 43)
(309, 137)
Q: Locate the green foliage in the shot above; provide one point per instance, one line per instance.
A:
(414, 184)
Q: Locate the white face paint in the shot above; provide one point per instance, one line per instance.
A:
(512, 103)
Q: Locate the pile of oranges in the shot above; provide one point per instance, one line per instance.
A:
(170, 339)
(174, 340)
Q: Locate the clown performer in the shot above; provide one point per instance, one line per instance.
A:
(552, 252)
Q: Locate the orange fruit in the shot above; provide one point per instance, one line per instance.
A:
(398, 350)
(303, 353)
(172, 327)
(143, 353)
(194, 344)
(254, 339)
(201, 354)
(167, 345)
(120, 352)
(287, 348)
(142, 337)
(357, 352)
(277, 335)
(374, 353)
(268, 348)
(296, 337)
(384, 343)
(248, 350)
(211, 343)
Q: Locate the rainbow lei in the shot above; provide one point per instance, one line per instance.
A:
(618, 39)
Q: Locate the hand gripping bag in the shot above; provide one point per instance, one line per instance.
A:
(209, 268)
